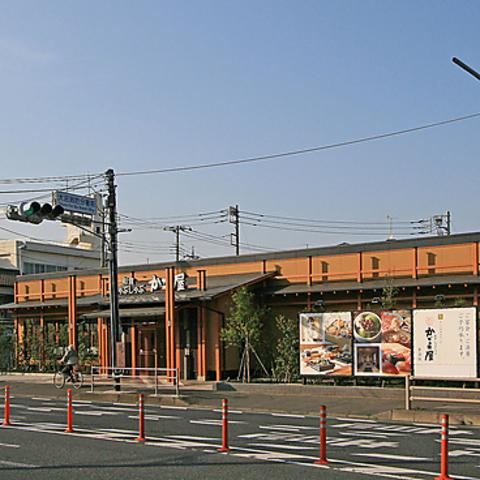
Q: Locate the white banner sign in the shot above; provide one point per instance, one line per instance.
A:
(445, 343)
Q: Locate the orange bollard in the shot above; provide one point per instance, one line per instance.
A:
(141, 419)
(444, 451)
(323, 437)
(69, 428)
(224, 447)
(6, 415)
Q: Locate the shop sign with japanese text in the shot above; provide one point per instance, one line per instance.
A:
(131, 286)
(445, 343)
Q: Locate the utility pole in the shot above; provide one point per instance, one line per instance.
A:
(113, 264)
(234, 217)
(177, 229)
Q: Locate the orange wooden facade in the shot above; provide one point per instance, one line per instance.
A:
(456, 257)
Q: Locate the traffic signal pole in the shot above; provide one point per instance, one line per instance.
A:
(113, 267)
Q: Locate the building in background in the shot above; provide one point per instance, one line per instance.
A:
(171, 313)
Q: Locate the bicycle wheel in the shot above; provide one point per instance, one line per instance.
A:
(77, 380)
(59, 379)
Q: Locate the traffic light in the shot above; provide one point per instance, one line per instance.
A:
(34, 212)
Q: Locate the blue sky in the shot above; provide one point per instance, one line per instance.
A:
(85, 86)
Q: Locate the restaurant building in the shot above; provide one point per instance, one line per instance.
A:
(171, 313)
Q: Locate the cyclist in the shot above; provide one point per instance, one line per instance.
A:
(69, 361)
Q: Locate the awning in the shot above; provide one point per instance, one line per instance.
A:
(126, 313)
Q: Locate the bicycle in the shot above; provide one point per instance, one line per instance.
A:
(60, 378)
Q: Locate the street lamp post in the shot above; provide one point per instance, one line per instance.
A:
(465, 67)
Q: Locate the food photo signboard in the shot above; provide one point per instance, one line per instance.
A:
(326, 343)
(445, 343)
(382, 343)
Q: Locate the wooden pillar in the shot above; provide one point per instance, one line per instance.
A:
(170, 317)
(42, 341)
(475, 258)
(72, 310)
(133, 343)
(201, 344)
(106, 349)
(414, 262)
(264, 266)
(176, 341)
(359, 267)
(100, 341)
(310, 271)
(218, 359)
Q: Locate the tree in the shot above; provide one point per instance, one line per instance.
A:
(243, 328)
(287, 352)
(389, 294)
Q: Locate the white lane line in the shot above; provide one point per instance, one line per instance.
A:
(155, 417)
(355, 420)
(87, 402)
(364, 434)
(285, 428)
(42, 399)
(39, 409)
(215, 423)
(118, 409)
(219, 410)
(461, 453)
(387, 456)
(18, 464)
(282, 446)
(9, 445)
(124, 404)
(91, 414)
(288, 415)
(173, 407)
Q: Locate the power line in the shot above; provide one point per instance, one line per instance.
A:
(301, 151)
(339, 222)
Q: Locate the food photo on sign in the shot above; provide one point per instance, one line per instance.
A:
(326, 343)
(382, 343)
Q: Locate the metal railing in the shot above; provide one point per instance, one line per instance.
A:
(138, 378)
(411, 388)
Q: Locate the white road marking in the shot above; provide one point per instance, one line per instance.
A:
(283, 446)
(119, 409)
(219, 410)
(87, 402)
(297, 459)
(287, 415)
(173, 407)
(363, 443)
(39, 409)
(9, 445)
(461, 453)
(155, 417)
(215, 423)
(387, 456)
(356, 420)
(364, 434)
(42, 399)
(18, 464)
(91, 414)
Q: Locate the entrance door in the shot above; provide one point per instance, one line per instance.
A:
(150, 346)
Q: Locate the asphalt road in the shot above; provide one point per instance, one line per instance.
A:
(182, 444)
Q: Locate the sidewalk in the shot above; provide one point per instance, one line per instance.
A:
(356, 402)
